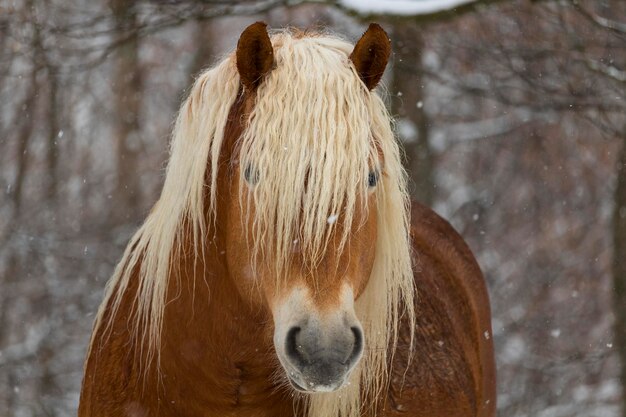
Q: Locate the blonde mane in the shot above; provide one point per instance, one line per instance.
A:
(314, 134)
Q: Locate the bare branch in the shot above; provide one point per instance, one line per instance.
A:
(602, 22)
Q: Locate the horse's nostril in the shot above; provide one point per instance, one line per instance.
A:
(291, 345)
(358, 344)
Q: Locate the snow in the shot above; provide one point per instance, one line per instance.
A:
(407, 131)
(402, 7)
(514, 349)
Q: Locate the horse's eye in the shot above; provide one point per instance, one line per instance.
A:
(251, 174)
(372, 178)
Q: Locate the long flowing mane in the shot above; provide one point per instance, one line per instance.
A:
(314, 134)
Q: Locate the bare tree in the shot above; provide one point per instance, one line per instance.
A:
(619, 261)
(408, 105)
(127, 86)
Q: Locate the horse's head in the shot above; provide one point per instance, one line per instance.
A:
(306, 165)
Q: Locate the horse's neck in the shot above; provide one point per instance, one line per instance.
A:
(213, 344)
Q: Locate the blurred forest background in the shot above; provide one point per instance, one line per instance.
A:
(512, 115)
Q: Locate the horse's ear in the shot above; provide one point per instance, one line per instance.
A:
(370, 55)
(255, 56)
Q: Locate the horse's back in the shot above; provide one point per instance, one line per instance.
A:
(452, 370)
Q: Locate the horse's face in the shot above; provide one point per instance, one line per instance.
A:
(317, 335)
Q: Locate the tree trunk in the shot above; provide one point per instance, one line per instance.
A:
(23, 139)
(408, 106)
(53, 133)
(127, 101)
(27, 115)
(619, 266)
(205, 52)
(8, 380)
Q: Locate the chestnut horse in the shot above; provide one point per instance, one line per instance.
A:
(283, 272)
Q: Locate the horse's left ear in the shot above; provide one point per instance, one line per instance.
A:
(255, 55)
(370, 55)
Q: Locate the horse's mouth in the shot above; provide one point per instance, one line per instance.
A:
(297, 386)
(315, 388)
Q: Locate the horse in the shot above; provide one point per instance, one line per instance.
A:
(283, 271)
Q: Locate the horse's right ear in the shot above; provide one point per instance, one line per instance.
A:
(255, 56)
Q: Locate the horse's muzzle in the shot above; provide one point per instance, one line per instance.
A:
(320, 359)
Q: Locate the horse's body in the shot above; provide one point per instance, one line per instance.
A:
(217, 352)
(224, 366)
